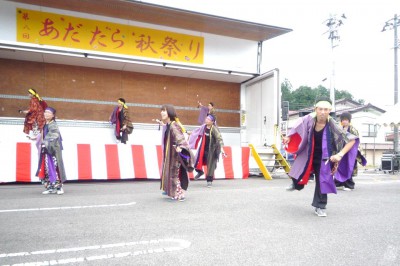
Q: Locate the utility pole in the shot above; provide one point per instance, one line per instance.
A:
(389, 25)
(333, 23)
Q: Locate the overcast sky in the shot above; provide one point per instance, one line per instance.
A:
(364, 59)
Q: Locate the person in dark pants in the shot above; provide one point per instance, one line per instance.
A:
(320, 200)
(318, 142)
(210, 143)
(123, 124)
(51, 170)
(349, 184)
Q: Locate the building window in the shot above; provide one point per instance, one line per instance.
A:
(369, 130)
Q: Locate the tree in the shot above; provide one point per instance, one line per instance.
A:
(286, 90)
(343, 94)
(305, 96)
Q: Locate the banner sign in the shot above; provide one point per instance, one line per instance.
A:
(79, 33)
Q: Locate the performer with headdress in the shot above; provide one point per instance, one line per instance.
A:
(51, 169)
(205, 111)
(322, 147)
(348, 185)
(34, 116)
(209, 140)
(123, 124)
(177, 156)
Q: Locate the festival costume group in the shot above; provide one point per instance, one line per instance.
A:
(40, 125)
(317, 140)
(178, 158)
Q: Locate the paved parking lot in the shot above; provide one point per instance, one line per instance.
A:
(236, 222)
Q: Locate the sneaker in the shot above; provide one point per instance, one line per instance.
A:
(60, 191)
(320, 212)
(347, 189)
(290, 187)
(340, 188)
(182, 199)
(164, 193)
(48, 191)
(198, 176)
(209, 184)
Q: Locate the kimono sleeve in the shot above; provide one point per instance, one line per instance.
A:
(51, 141)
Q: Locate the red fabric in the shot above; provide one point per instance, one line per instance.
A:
(191, 175)
(84, 162)
(309, 169)
(245, 162)
(139, 165)
(35, 114)
(293, 145)
(41, 169)
(43, 103)
(112, 161)
(23, 162)
(200, 163)
(117, 124)
(159, 158)
(197, 142)
(228, 166)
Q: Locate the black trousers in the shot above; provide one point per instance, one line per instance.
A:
(123, 137)
(349, 183)
(320, 200)
(208, 178)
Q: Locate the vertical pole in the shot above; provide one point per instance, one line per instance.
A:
(373, 158)
(333, 24)
(332, 79)
(396, 44)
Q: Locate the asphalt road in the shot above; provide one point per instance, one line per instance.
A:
(236, 222)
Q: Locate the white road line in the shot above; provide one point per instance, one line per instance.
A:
(68, 207)
(179, 245)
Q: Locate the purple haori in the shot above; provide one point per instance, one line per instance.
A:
(304, 128)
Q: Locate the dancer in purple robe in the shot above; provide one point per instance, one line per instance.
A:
(123, 125)
(208, 140)
(349, 184)
(51, 170)
(205, 111)
(321, 147)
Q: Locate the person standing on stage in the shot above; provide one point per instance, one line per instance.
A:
(51, 169)
(205, 111)
(123, 124)
(318, 142)
(209, 140)
(177, 156)
(34, 116)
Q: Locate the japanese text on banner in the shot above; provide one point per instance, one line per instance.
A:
(79, 33)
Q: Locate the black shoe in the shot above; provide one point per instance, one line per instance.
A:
(198, 176)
